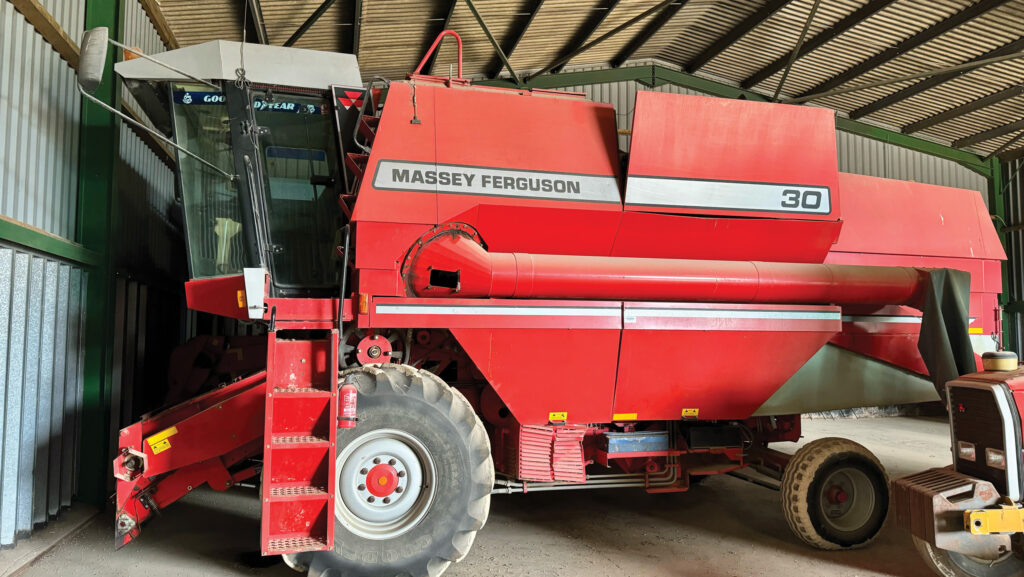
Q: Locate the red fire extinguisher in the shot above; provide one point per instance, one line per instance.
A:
(347, 415)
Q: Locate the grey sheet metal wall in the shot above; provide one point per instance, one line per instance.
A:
(39, 118)
(857, 154)
(41, 319)
(41, 298)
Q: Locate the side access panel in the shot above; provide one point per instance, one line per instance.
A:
(712, 361)
(542, 357)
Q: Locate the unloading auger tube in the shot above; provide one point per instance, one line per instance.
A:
(454, 263)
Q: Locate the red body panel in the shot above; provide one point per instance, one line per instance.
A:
(725, 360)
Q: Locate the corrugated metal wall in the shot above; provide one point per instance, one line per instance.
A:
(41, 298)
(39, 118)
(857, 154)
(41, 320)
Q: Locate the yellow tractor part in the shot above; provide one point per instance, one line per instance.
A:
(1007, 519)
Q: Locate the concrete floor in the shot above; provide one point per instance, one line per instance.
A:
(723, 528)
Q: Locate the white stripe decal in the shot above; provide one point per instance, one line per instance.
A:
(726, 195)
(475, 310)
(632, 314)
(885, 319)
(482, 180)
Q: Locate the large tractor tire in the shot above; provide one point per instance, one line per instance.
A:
(951, 564)
(414, 478)
(835, 494)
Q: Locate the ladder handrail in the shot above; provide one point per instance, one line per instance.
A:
(434, 46)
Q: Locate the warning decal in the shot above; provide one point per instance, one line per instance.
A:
(161, 441)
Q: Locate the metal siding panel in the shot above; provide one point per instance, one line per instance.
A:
(60, 362)
(73, 389)
(15, 383)
(38, 185)
(6, 277)
(30, 394)
(47, 350)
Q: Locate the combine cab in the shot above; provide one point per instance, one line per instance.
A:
(471, 291)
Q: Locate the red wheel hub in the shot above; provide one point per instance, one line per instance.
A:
(836, 495)
(381, 480)
(374, 349)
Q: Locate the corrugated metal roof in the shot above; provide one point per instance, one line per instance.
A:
(393, 35)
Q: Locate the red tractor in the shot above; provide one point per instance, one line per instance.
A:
(472, 291)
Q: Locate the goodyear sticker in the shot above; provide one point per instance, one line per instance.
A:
(558, 417)
(624, 417)
(161, 441)
(690, 413)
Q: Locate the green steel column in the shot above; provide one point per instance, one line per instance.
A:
(97, 170)
(997, 202)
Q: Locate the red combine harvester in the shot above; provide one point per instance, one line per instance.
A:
(471, 291)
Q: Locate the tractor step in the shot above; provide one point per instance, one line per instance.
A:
(300, 433)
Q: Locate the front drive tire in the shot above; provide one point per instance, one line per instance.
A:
(950, 564)
(835, 494)
(422, 444)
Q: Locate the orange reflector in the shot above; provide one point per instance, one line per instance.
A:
(129, 55)
(241, 299)
(364, 303)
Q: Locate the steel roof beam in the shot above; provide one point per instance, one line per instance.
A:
(447, 22)
(906, 45)
(255, 14)
(494, 43)
(163, 29)
(313, 18)
(729, 38)
(648, 32)
(929, 83)
(989, 134)
(824, 37)
(512, 43)
(965, 108)
(564, 59)
(796, 50)
(584, 32)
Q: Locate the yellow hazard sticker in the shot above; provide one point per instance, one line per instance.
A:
(161, 441)
(558, 417)
(976, 330)
(241, 299)
(624, 417)
(690, 413)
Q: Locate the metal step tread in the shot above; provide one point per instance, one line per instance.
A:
(295, 545)
(297, 492)
(302, 440)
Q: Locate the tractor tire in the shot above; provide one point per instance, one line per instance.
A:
(835, 494)
(413, 429)
(951, 564)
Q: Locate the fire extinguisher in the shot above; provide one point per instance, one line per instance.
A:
(347, 415)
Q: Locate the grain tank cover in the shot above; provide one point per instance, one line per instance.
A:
(714, 156)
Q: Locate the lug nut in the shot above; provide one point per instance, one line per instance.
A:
(401, 473)
(387, 500)
(361, 487)
(370, 499)
(392, 462)
(363, 471)
(399, 489)
(376, 460)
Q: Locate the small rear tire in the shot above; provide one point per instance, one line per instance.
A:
(952, 564)
(413, 477)
(835, 494)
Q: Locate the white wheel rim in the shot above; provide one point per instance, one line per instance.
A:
(409, 492)
(853, 513)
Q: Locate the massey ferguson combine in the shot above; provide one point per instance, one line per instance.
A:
(471, 291)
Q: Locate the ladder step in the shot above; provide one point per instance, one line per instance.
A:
(295, 545)
(297, 492)
(302, 391)
(299, 441)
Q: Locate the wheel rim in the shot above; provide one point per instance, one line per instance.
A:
(385, 484)
(847, 499)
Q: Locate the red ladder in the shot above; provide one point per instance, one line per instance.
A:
(300, 433)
